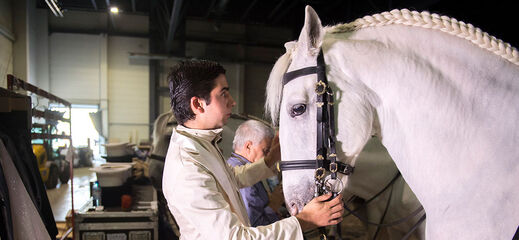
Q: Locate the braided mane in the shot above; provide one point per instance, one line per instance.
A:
(432, 21)
(403, 17)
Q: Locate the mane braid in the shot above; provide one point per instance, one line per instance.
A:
(433, 21)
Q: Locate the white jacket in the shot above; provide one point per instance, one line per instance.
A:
(202, 191)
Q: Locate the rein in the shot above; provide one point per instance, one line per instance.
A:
(380, 224)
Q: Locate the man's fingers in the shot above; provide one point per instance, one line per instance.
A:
(336, 215)
(335, 221)
(324, 197)
(335, 201)
(337, 208)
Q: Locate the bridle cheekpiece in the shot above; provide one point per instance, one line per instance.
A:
(326, 157)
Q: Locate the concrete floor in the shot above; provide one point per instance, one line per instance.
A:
(60, 198)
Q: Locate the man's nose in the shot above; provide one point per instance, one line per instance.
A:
(232, 102)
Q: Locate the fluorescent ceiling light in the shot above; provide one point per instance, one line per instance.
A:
(114, 10)
(54, 8)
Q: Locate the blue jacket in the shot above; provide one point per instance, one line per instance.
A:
(255, 198)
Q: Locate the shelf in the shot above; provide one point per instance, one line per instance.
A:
(16, 82)
(48, 136)
(41, 114)
(39, 125)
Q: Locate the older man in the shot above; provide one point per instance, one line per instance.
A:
(251, 143)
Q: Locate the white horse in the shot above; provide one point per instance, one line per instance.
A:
(443, 97)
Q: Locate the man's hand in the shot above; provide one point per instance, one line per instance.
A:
(319, 213)
(276, 199)
(274, 154)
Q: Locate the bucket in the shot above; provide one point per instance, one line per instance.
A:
(118, 149)
(112, 175)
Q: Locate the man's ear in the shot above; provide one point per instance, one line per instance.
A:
(248, 145)
(197, 105)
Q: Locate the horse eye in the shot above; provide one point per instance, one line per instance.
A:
(298, 109)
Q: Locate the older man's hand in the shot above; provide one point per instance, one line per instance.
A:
(274, 154)
(276, 199)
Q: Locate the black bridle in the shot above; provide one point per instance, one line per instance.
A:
(326, 158)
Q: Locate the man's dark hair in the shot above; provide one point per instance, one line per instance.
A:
(188, 79)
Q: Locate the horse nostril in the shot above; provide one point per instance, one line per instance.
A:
(293, 208)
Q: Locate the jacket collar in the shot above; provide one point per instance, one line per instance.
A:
(211, 135)
(241, 159)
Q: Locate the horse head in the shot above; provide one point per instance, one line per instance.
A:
(295, 102)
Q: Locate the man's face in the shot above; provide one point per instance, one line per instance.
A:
(219, 110)
(260, 150)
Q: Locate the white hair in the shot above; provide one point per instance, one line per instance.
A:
(433, 21)
(274, 90)
(251, 130)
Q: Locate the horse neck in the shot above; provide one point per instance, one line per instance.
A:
(374, 169)
(447, 108)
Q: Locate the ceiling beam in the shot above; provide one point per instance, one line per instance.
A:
(285, 11)
(94, 4)
(174, 22)
(244, 16)
(110, 16)
(276, 9)
(220, 11)
(210, 9)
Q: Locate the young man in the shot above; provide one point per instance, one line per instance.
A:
(251, 143)
(200, 188)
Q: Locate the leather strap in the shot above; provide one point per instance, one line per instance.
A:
(343, 168)
(289, 76)
(157, 157)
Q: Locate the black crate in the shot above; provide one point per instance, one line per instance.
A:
(117, 225)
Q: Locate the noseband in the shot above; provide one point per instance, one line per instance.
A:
(326, 158)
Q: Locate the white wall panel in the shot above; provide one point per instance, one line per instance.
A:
(75, 61)
(41, 38)
(6, 60)
(128, 133)
(128, 89)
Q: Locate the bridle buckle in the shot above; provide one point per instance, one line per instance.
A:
(319, 173)
(320, 87)
(333, 167)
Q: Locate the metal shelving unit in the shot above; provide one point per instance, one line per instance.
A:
(46, 129)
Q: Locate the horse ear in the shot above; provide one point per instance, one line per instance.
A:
(289, 46)
(312, 33)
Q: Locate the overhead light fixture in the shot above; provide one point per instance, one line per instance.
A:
(114, 10)
(53, 5)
